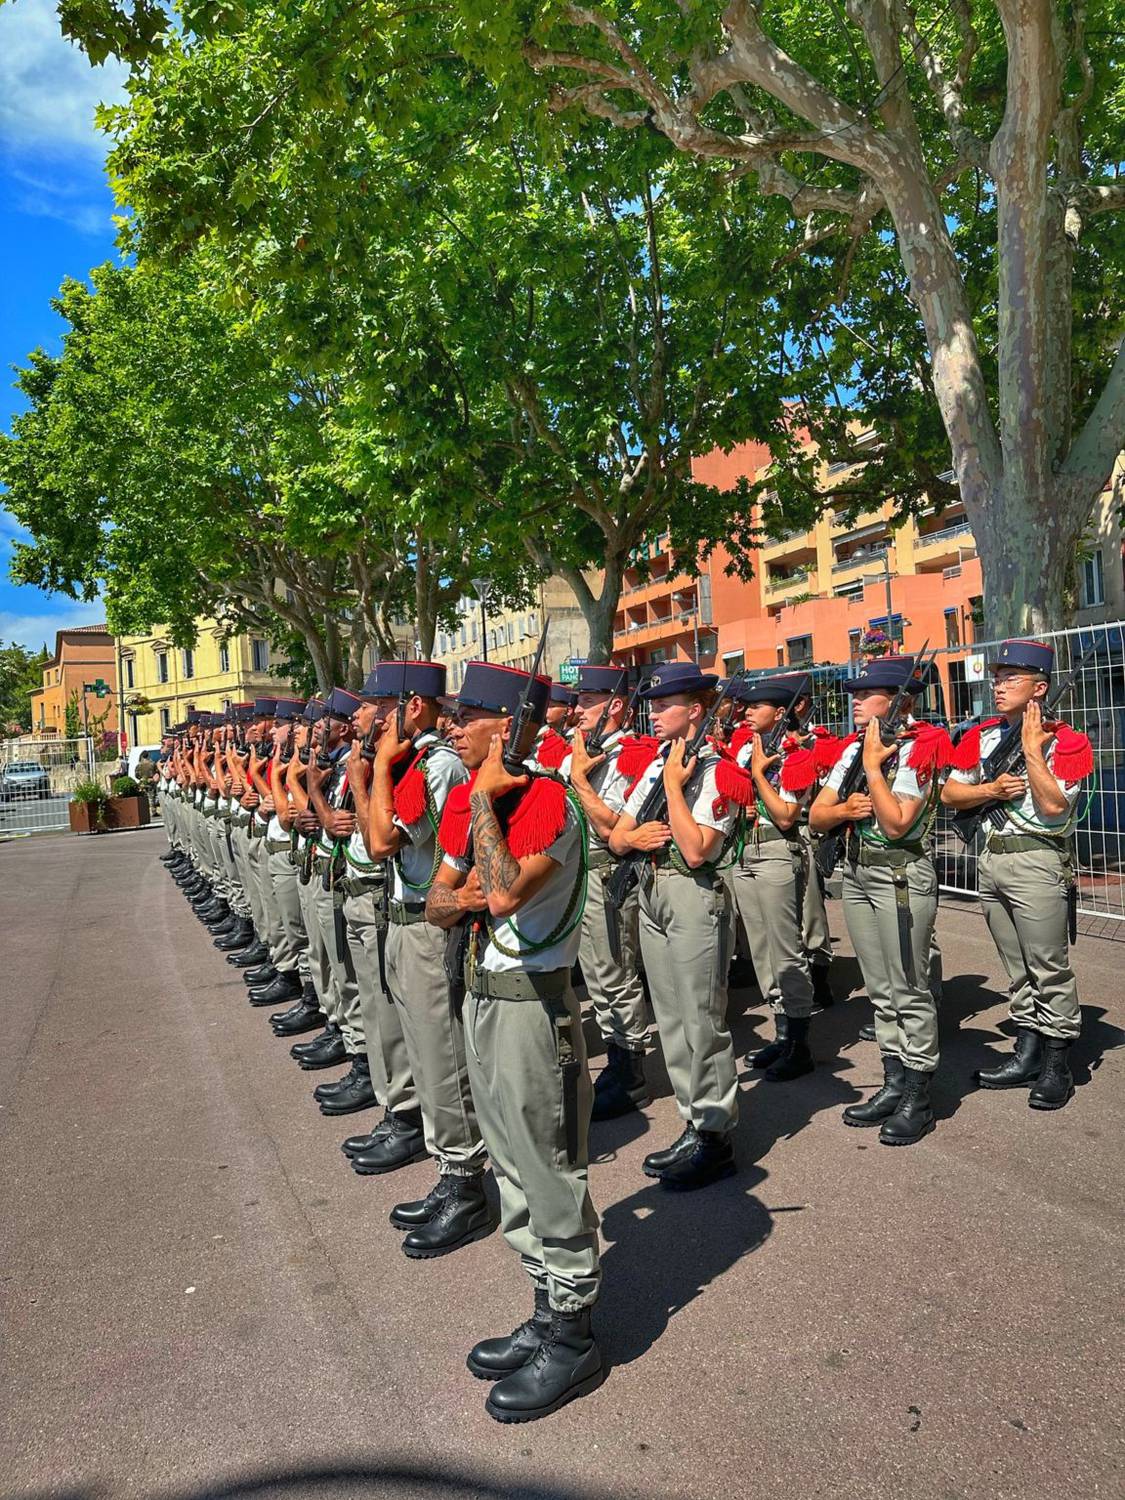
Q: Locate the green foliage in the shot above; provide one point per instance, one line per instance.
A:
(73, 715)
(21, 673)
(125, 786)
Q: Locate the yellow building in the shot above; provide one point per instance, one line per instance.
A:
(159, 682)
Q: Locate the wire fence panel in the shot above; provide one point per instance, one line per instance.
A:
(37, 777)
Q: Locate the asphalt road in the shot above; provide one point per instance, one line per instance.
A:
(202, 1300)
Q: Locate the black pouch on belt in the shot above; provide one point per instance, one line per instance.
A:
(571, 1070)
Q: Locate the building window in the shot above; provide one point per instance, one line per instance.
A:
(473, 630)
(532, 624)
(259, 654)
(734, 662)
(492, 638)
(512, 630)
(189, 662)
(224, 656)
(854, 638)
(129, 672)
(463, 632)
(799, 650)
(162, 666)
(165, 721)
(781, 656)
(952, 628)
(1092, 581)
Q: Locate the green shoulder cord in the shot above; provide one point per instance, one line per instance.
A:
(1067, 829)
(919, 830)
(575, 906)
(432, 815)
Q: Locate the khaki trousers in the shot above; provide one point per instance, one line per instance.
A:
(814, 915)
(348, 1016)
(686, 932)
(905, 1012)
(517, 1083)
(382, 1023)
(240, 845)
(1024, 900)
(768, 884)
(321, 972)
(291, 955)
(615, 990)
(267, 917)
(435, 1045)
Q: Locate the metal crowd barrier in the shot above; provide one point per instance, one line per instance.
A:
(37, 776)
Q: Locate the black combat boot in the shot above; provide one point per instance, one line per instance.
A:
(773, 1051)
(304, 1016)
(211, 908)
(492, 1359)
(222, 926)
(620, 1087)
(1055, 1084)
(867, 1033)
(400, 1145)
(796, 1060)
(656, 1161)
(189, 878)
(284, 987)
(302, 1049)
(419, 1211)
(1020, 1069)
(821, 988)
(462, 1216)
(264, 974)
(242, 936)
(710, 1161)
(566, 1364)
(355, 1145)
(882, 1104)
(250, 958)
(328, 1053)
(914, 1116)
(354, 1090)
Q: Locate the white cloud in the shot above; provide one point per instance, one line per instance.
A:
(33, 630)
(77, 196)
(48, 90)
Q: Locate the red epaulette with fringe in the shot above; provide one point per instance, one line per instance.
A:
(798, 769)
(827, 749)
(931, 749)
(965, 755)
(409, 799)
(552, 750)
(533, 825)
(1073, 755)
(732, 781)
(635, 753)
(740, 738)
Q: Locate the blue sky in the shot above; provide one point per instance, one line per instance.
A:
(55, 214)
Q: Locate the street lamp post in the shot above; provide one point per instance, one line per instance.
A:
(885, 575)
(482, 587)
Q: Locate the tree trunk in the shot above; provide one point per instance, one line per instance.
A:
(426, 589)
(598, 611)
(1027, 549)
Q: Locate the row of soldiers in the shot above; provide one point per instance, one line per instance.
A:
(419, 875)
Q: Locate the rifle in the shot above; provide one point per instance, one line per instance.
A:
(594, 740)
(1008, 759)
(832, 845)
(654, 809)
(323, 754)
(772, 746)
(524, 725)
(290, 738)
(403, 700)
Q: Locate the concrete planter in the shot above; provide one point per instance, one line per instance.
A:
(126, 812)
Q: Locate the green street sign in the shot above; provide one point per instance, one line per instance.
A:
(99, 687)
(568, 671)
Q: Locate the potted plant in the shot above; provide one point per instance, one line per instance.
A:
(87, 808)
(127, 806)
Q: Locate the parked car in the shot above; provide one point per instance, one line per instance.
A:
(23, 779)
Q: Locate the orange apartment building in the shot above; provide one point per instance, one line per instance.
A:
(82, 655)
(813, 594)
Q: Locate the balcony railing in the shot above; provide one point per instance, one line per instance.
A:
(944, 535)
(874, 551)
(798, 575)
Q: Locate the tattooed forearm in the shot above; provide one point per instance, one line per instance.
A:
(496, 867)
(443, 906)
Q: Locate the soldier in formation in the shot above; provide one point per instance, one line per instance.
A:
(414, 877)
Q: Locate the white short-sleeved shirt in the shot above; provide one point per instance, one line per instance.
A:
(607, 782)
(1024, 813)
(706, 806)
(907, 786)
(542, 914)
(744, 757)
(334, 793)
(414, 862)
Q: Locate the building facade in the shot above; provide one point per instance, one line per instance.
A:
(510, 637)
(815, 593)
(159, 682)
(82, 655)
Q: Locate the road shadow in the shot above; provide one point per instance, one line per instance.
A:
(701, 1236)
(391, 1477)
